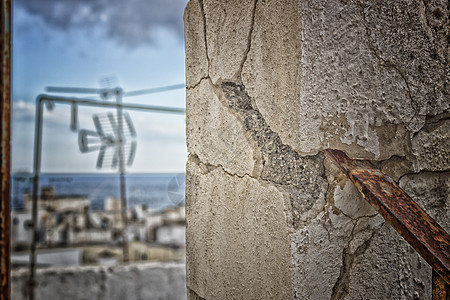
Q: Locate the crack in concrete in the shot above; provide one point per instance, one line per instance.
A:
(357, 219)
(238, 75)
(324, 226)
(302, 177)
(217, 92)
(198, 83)
(425, 172)
(387, 64)
(433, 122)
(210, 167)
(424, 15)
(202, 8)
(258, 159)
(193, 295)
(341, 287)
(423, 21)
(275, 153)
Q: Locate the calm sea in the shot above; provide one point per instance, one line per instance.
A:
(156, 191)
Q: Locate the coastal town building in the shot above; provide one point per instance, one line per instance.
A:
(69, 232)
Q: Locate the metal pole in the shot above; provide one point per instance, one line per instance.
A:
(123, 189)
(34, 210)
(96, 103)
(40, 100)
(5, 134)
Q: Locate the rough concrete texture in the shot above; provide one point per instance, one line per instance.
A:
(432, 192)
(226, 141)
(431, 146)
(270, 85)
(140, 281)
(237, 238)
(197, 62)
(387, 269)
(348, 71)
(223, 22)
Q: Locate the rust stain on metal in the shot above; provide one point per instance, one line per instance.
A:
(5, 84)
(441, 290)
(421, 231)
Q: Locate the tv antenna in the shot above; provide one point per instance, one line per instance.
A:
(107, 139)
(114, 134)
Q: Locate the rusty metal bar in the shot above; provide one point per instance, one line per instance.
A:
(423, 233)
(5, 111)
(441, 290)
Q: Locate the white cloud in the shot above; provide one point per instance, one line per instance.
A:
(23, 111)
(132, 22)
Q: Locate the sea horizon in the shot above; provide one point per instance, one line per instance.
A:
(153, 190)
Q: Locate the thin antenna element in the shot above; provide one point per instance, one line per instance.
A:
(88, 141)
(107, 92)
(155, 90)
(107, 138)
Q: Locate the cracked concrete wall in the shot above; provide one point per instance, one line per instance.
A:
(272, 83)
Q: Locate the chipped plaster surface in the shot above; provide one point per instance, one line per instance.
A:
(271, 72)
(346, 70)
(302, 177)
(231, 22)
(270, 84)
(225, 142)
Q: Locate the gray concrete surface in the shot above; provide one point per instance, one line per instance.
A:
(131, 282)
(272, 83)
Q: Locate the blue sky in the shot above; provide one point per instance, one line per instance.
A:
(138, 44)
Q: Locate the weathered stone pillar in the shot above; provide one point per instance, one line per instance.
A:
(272, 83)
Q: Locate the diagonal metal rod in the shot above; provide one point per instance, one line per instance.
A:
(421, 231)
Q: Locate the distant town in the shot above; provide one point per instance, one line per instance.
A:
(71, 233)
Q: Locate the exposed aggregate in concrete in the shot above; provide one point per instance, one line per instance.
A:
(278, 81)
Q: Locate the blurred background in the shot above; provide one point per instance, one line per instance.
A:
(100, 44)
